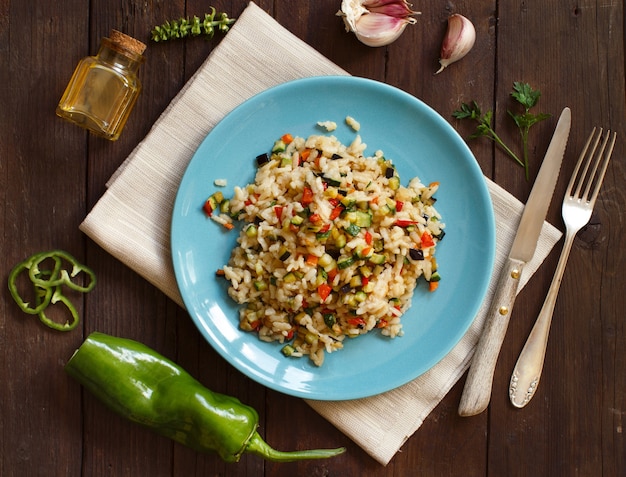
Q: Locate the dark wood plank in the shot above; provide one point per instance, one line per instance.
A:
(124, 304)
(37, 151)
(563, 425)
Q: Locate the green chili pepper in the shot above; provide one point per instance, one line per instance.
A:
(48, 285)
(147, 388)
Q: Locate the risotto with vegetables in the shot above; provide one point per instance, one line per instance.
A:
(332, 245)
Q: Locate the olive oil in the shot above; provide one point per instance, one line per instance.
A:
(105, 87)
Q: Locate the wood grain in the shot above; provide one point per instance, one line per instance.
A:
(52, 173)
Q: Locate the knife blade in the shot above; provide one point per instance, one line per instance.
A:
(477, 391)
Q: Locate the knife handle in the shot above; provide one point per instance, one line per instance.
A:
(477, 390)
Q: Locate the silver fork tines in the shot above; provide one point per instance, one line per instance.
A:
(578, 204)
(602, 160)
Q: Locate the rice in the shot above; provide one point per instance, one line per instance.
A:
(332, 246)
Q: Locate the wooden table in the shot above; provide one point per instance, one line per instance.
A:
(52, 173)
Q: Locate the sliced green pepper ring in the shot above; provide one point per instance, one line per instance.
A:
(48, 285)
(57, 296)
(64, 278)
(40, 292)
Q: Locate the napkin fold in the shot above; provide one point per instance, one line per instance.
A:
(132, 219)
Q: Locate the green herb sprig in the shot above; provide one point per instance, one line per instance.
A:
(195, 26)
(525, 95)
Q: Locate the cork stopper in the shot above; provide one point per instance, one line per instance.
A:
(127, 42)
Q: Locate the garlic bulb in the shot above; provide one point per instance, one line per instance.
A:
(459, 40)
(376, 22)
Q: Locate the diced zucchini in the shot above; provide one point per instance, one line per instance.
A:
(363, 251)
(322, 277)
(370, 287)
(260, 285)
(340, 241)
(329, 320)
(394, 183)
(360, 296)
(360, 218)
(218, 196)
(345, 262)
(288, 350)
(353, 229)
(322, 235)
(377, 258)
(279, 146)
(325, 260)
(348, 202)
(284, 253)
(297, 220)
(365, 271)
(378, 244)
(251, 231)
(289, 278)
(225, 207)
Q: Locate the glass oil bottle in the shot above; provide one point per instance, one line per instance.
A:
(105, 87)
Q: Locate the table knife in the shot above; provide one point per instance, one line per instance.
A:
(477, 390)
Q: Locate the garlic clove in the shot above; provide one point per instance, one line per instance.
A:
(458, 41)
(393, 8)
(377, 29)
(376, 22)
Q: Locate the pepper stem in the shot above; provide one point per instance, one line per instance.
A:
(258, 446)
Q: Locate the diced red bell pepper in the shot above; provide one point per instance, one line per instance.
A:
(207, 208)
(336, 212)
(315, 218)
(307, 196)
(356, 321)
(368, 237)
(324, 290)
(312, 260)
(405, 223)
(427, 239)
(399, 205)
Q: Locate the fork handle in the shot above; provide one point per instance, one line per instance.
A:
(527, 371)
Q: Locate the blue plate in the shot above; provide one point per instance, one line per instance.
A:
(420, 143)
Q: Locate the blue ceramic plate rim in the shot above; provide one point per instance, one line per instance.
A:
(420, 143)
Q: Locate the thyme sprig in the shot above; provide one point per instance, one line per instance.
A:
(194, 26)
(524, 95)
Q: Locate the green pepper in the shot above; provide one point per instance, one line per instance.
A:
(147, 388)
(48, 285)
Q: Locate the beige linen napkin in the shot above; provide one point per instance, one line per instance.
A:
(132, 219)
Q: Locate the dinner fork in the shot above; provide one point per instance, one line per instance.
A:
(578, 204)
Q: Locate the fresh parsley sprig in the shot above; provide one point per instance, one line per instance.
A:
(524, 95)
(527, 97)
(472, 111)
